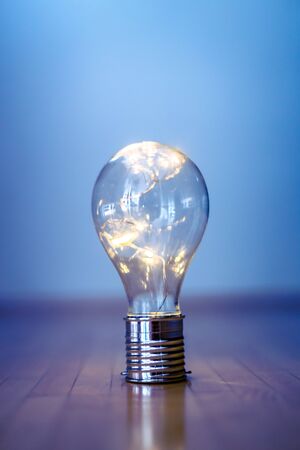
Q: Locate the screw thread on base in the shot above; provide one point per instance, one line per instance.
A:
(155, 349)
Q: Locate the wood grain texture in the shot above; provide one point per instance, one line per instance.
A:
(60, 383)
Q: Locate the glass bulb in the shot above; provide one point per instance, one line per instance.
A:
(150, 209)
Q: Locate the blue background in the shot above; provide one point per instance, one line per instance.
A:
(80, 80)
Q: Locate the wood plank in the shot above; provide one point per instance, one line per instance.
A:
(244, 411)
(60, 386)
(33, 424)
(13, 394)
(86, 419)
(58, 380)
(284, 383)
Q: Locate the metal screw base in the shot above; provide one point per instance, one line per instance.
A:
(154, 349)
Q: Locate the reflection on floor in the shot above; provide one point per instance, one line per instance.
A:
(60, 383)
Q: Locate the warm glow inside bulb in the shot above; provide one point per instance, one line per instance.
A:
(150, 208)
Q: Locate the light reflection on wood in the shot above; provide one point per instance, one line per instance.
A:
(156, 416)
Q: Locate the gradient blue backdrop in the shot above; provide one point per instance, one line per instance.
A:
(79, 80)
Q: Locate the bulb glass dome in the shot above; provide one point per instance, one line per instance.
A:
(150, 209)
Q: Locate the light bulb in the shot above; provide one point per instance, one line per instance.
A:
(150, 208)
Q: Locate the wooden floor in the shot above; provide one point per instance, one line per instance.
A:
(60, 383)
